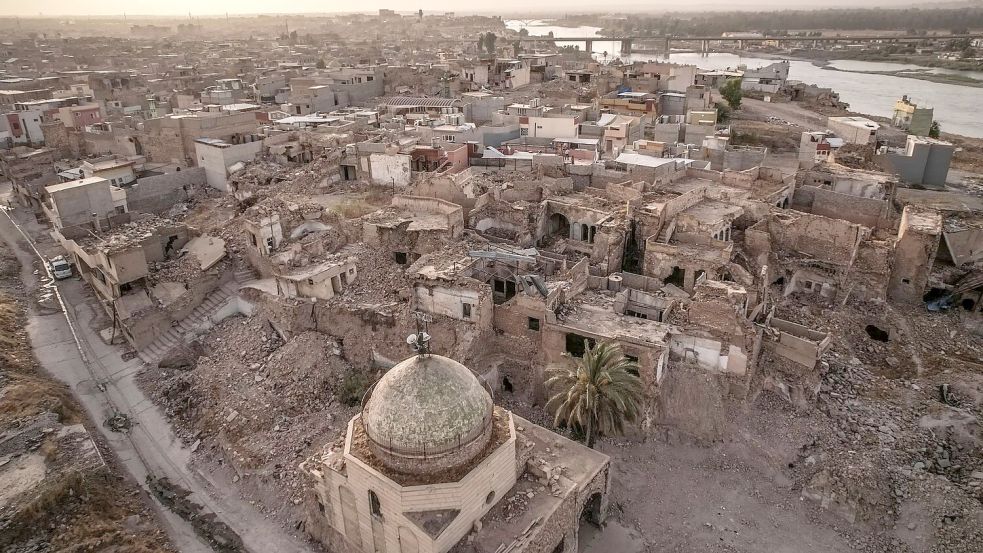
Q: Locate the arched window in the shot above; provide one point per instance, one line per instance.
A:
(374, 506)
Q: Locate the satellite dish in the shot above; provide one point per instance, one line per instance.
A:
(411, 339)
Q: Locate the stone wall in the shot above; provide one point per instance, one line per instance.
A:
(367, 334)
(869, 212)
(159, 193)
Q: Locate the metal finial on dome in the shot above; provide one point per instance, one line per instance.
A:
(420, 342)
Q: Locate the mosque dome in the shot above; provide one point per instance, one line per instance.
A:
(427, 414)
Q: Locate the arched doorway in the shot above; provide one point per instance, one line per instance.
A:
(559, 225)
(592, 510)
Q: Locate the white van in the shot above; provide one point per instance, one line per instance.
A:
(60, 267)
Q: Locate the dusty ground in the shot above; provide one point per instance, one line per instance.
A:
(877, 464)
(53, 496)
(879, 449)
(779, 125)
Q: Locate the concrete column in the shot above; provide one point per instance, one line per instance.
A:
(689, 280)
(668, 48)
(590, 46)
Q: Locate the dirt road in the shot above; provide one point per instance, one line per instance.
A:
(104, 383)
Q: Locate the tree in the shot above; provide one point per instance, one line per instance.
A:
(731, 91)
(598, 395)
(523, 32)
(490, 42)
(935, 130)
(723, 112)
(321, 64)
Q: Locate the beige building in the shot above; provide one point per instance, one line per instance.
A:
(429, 466)
(78, 206)
(116, 170)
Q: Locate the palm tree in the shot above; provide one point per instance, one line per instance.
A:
(599, 395)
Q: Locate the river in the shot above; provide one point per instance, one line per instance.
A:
(956, 106)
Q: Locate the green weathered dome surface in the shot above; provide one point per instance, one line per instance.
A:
(427, 405)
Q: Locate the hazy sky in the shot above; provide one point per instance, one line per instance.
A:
(218, 7)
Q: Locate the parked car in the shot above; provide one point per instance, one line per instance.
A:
(60, 267)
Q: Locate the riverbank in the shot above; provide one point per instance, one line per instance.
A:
(923, 74)
(920, 74)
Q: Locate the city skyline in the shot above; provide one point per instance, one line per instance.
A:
(58, 8)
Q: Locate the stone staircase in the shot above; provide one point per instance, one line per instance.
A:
(667, 231)
(176, 334)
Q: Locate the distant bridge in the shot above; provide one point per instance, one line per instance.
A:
(741, 41)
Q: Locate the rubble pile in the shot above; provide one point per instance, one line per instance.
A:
(257, 405)
(258, 173)
(380, 278)
(186, 268)
(893, 446)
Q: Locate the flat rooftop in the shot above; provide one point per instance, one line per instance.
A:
(55, 188)
(592, 314)
(106, 164)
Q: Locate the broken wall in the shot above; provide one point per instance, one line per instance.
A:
(159, 193)
(869, 212)
(831, 240)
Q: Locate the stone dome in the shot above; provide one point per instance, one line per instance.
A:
(426, 414)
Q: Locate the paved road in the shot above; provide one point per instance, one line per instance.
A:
(104, 383)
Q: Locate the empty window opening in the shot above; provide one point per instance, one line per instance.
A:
(320, 506)
(968, 304)
(878, 334)
(466, 310)
(577, 345)
(533, 324)
(504, 290)
(374, 506)
(507, 384)
(631, 313)
(400, 257)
